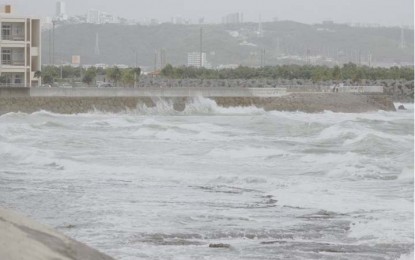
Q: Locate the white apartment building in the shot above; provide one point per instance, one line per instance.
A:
(61, 11)
(194, 59)
(97, 17)
(93, 16)
(234, 18)
(20, 45)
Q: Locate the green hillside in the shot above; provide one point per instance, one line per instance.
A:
(281, 42)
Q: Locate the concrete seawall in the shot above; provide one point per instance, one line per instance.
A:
(24, 239)
(69, 101)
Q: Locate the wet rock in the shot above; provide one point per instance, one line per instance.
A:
(69, 226)
(220, 245)
(179, 106)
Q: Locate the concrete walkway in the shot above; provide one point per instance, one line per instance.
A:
(24, 239)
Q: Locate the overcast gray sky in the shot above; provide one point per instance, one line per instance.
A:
(385, 12)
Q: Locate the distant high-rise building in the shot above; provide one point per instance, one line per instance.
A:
(194, 59)
(61, 11)
(234, 18)
(93, 16)
(177, 20)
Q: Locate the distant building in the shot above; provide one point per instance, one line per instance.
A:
(234, 18)
(20, 47)
(194, 59)
(98, 17)
(177, 20)
(106, 18)
(93, 16)
(61, 11)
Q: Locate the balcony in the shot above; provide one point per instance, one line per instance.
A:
(12, 62)
(13, 37)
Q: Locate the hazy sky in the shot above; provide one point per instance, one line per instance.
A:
(385, 12)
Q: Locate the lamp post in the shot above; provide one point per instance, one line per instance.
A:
(135, 69)
(53, 41)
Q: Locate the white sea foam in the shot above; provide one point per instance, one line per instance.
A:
(157, 183)
(409, 256)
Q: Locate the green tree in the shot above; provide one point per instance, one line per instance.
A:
(38, 74)
(128, 77)
(89, 75)
(168, 71)
(114, 74)
(137, 72)
(47, 79)
(3, 79)
(336, 73)
(49, 74)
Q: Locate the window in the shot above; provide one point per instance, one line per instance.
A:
(18, 57)
(18, 32)
(18, 79)
(6, 56)
(6, 30)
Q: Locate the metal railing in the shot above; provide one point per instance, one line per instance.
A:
(13, 62)
(12, 37)
(12, 85)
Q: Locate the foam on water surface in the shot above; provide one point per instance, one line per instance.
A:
(155, 183)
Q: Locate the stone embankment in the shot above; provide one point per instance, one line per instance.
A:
(24, 239)
(399, 90)
(113, 100)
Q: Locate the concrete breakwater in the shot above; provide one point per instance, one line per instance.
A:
(24, 239)
(69, 101)
(399, 90)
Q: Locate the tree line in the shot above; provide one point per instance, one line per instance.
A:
(116, 75)
(349, 71)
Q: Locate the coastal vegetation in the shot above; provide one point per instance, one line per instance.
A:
(317, 74)
(89, 76)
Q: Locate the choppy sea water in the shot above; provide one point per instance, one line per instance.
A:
(158, 184)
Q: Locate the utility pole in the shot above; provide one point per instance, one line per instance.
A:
(136, 69)
(370, 59)
(97, 49)
(402, 44)
(53, 41)
(155, 60)
(262, 58)
(50, 46)
(201, 47)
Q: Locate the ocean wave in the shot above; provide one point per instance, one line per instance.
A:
(247, 152)
(195, 106)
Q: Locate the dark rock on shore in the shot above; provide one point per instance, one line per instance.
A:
(219, 245)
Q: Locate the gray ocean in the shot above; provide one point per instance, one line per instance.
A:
(153, 183)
